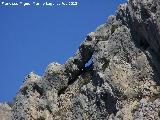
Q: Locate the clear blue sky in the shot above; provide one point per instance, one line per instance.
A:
(32, 37)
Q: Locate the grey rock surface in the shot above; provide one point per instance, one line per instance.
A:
(114, 75)
(5, 112)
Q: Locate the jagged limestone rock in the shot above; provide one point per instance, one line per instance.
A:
(5, 111)
(122, 81)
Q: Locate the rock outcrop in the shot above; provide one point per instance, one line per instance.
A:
(114, 75)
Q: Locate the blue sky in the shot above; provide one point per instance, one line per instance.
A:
(32, 37)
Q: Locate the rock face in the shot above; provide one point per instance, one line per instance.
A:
(5, 112)
(114, 75)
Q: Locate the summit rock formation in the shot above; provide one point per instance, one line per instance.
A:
(114, 75)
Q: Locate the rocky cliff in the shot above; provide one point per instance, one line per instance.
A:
(114, 75)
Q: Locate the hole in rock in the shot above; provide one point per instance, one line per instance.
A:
(89, 63)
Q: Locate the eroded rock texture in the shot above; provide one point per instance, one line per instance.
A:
(114, 75)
